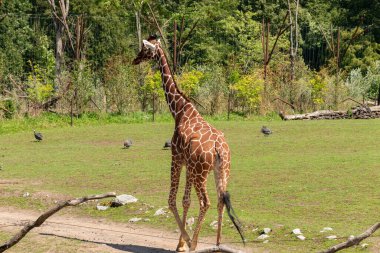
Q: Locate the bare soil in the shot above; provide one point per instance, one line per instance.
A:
(61, 233)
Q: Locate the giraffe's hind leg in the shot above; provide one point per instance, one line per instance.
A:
(186, 204)
(204, 203)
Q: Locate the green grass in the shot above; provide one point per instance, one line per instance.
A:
(307, 175)
(52, 120)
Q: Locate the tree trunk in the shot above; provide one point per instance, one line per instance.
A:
(293, 48)
(59, 50)
(140, 78)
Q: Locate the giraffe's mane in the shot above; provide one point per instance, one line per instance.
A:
(174, 81)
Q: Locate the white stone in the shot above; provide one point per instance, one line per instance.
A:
(102, 208)
(364, 245)
(267, 230)
(331, 237)
(214, 224)
(351, 237)
(125, 199)
(297, 231)
(26, 194)
(160, 211)
(301, 237)
(325, 229)
(190, 221)
(263, 237)
(134, 220)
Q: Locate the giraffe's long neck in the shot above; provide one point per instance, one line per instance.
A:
(177, 102)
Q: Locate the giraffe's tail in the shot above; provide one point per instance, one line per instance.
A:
(232, 215)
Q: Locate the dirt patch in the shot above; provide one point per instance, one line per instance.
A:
(9, 181)
(91, 235)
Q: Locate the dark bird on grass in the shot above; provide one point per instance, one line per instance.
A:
(127, 143)
(38, 136)
(266, 131)
(168, 144)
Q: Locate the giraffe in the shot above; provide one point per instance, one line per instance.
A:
(195, 144)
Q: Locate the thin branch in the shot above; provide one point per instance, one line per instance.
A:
(181, 30)
(92, 100)
(332, 39)
(219, 248)
(281, 31)
(353, 241)
(5, 110)
(188, 36)
(158, 26)
(43, 217)
(197, 102)
(283, 101)
(327, 41)
(354, 37)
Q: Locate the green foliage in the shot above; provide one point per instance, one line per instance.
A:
(45, 54)
(15, 37)
(213, 90)
(10, 109)
(84, 84)
(120, 84)
(153, 83)
(318, 88)
(40, 86)
(190, 81)
(248, 90)
(361, 86)
(373, 78)
(215, 35)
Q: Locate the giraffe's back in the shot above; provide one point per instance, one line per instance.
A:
(202, 144)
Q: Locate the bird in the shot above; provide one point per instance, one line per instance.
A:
(168, 144)
(38, 136)
(127, 143)
(266, 131)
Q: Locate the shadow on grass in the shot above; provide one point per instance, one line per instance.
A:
(121, 247)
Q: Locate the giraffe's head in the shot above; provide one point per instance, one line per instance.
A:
(148, 51)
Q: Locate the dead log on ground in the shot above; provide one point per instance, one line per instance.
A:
(43, 217)
(219, 248)
(356, 113)
(353, 241)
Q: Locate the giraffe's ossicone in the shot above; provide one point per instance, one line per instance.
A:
(195, 144)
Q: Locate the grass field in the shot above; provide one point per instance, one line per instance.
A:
(307, 175)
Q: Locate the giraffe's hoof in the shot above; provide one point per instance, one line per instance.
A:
(180, 249)
(193, 247)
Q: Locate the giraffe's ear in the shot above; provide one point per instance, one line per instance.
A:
(149, 45)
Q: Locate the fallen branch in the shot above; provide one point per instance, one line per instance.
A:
(353, 241)
(357, 113)
(43, 217)
(219, 248)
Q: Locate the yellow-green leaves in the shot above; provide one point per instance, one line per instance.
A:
(40, 86)
(318, 87)
(190, 81)
(248, 90)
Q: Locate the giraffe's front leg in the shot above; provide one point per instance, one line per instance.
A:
(175, 176)
(186, 204)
